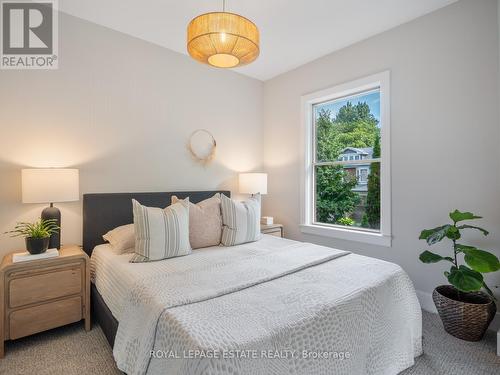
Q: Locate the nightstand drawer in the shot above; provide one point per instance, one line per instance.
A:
(272, 229)
(276, 233)
(43, 294)
(46, 286)
(36, 319)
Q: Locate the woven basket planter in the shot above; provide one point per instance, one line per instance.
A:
(464, 315)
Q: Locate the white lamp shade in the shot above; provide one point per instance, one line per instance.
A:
(253, 183)
(50, 185)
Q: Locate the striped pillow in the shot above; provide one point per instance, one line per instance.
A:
(161, 233)
(240, 220)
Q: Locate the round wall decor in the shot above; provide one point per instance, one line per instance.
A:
(202, 146)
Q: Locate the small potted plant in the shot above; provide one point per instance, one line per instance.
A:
(464, 309)
(37, 234)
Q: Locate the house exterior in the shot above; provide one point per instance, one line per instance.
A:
(358, 170)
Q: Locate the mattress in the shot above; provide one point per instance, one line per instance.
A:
(114, 276)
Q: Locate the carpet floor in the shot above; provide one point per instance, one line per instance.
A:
(72, 351)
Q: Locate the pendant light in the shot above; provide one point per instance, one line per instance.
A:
(223, 39)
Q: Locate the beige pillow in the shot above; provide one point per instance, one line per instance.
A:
(121, 239)
(205, 222)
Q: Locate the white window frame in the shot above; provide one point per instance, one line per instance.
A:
(359, 170)
(308, 225)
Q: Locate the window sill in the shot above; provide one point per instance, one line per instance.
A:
(347, 234)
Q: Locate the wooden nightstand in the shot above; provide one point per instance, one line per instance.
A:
(42, 294)
(273, 229)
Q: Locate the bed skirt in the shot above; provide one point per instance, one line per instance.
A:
(102, 315)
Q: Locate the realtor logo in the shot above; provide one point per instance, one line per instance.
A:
(29, 34)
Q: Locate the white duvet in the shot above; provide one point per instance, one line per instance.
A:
(270, 307)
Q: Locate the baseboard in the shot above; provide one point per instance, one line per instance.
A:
(427, 304)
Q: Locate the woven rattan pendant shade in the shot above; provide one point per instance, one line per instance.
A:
(223, 40)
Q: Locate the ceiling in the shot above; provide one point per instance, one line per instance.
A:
(293, 32)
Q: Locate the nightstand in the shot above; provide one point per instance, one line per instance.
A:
(273, 229)
(38, 295)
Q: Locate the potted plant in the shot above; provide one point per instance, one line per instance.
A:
(464, 309)
(37, 235)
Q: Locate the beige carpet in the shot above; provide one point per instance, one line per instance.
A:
(70, 350)
(67, 350)
(447, 355)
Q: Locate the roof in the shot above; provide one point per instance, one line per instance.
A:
(367, 151)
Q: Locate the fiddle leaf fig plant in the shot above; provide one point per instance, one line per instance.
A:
(465, 278)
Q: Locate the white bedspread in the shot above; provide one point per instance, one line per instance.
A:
(270, 307)
(114, 276)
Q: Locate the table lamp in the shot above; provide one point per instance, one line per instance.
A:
(50, 185)
(253, 183)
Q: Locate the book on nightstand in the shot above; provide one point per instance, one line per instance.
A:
(25, 257)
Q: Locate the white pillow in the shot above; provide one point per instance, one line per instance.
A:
(121, 239)
(161, 233)
(240, 220)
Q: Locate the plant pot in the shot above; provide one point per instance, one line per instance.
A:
(464, 315)
(37, 245)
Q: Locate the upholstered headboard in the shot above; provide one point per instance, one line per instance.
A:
(103, 212)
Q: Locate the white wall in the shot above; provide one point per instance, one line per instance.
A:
(444, 124)
(121, 110)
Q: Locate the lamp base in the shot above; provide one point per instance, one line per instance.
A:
(51, 213)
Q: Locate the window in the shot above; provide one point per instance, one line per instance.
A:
(346, 180)
(363, 179)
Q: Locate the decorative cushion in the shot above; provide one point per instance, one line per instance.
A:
(240, 220)
(205, 222)
(161, 233)
(121, 239)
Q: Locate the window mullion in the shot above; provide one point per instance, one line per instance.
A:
(347, 162)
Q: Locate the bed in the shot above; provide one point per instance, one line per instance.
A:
(274, 306)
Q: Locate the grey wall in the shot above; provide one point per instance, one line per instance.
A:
(444, 124)
(121, 110)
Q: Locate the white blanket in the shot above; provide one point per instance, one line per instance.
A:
(255, 309)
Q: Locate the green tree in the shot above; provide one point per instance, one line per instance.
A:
(354, 126)
(328, 147)
(371, 217)
(334, 195)
(364, 221)
(353, 113)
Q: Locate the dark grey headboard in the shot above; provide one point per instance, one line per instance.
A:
(103, 212)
